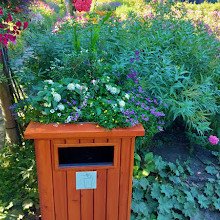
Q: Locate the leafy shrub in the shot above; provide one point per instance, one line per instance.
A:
(18, 183)
(161, 190)
(176, 62)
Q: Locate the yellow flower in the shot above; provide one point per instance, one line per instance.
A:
(73, 107)
(116, 121)
(105, 121)
(58, 123)
(103, 103)
(113, 119)
(97, 126)
(105, 111)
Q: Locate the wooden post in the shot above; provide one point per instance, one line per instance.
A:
(59, 198)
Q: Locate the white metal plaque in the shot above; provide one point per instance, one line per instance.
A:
(86, 180)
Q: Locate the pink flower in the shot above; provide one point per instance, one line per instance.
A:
(213, 140)
(25, 25)
(1, 11)
(18, 23)
(10, 17)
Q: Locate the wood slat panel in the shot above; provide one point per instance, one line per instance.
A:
(124, 178)
(113, 177)
(87, 204)
(100, 192)
(78, 130)
(74, 206)
(131, 177)
(45, 179)
(60, 190)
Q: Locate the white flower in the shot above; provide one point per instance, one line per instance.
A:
(49, 81)
(58, 114)
(47, 104)
(52, 111)
(57, 97)
(61, 107)
(121, 103)
(68, 119)
(93, 81)
(127, 96)
(78, 86)
(114, 90)
(71, 86)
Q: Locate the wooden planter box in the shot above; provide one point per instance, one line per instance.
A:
(65, 153)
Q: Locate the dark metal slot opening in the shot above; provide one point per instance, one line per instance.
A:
(86, 156)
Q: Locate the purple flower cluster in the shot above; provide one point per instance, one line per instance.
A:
(133, 75)
(143, 106)
(131, 116)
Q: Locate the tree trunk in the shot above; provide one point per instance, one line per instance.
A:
(5, 102)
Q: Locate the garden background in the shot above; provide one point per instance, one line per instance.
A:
(161, 62)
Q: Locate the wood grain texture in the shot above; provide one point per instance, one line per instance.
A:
(87, 204)
(45, 179)
(100, 192)
(131, 176)
(43, 131)
(74, 200)
(60, 189)
(124, 178)
(113, 177)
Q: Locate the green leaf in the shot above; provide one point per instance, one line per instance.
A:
(138, 194)
(99, 111)
(137, 157)
(160, 164)
(211, 170)
(139, 207)
(189, 209)
(155, 191)
(216, 202)
(217, 189)
(195, 192)
(203, 201)
(189, 196)
(165, 204)
(209, 189)
(168, 190)
(144, 183)
(148, 157)
(164, 216)
(175, 179)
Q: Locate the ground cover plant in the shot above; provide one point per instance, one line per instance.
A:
(141, 63)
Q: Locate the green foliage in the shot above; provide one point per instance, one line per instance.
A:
(18, 183)
(165, 192)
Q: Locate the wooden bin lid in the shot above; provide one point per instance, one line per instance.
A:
(50, 131)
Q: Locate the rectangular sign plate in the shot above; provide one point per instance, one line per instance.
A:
(86, 180)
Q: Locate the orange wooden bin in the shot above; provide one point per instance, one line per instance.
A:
(59, 198)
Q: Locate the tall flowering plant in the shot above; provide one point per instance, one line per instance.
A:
(10, 26)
